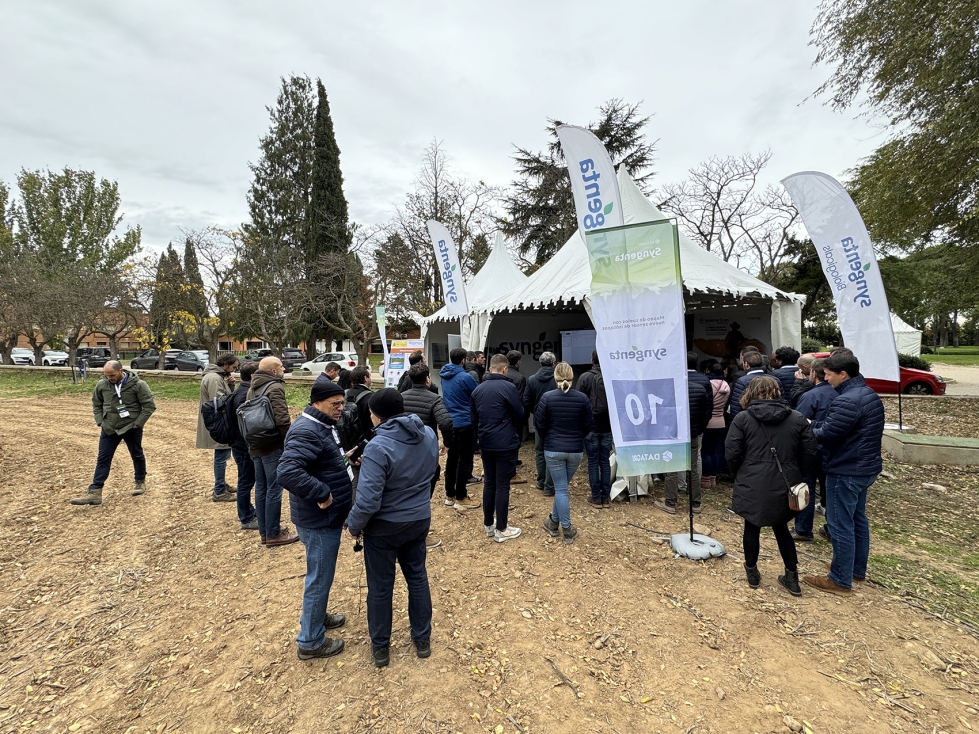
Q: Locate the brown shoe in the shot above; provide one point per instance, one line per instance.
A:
(860, 579)
(262, 540)
(825, 583)
(283, 538)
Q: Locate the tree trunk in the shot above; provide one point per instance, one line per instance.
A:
(113, 345)
(955, 329)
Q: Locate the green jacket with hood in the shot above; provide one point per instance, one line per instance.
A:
(135, 395)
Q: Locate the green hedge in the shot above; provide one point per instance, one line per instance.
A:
(917, 363)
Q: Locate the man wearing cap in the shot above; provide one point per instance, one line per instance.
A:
(317, 475)
(393, 513)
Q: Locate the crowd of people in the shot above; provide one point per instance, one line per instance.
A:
(366, 462)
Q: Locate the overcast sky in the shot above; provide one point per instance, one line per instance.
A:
(169, 98)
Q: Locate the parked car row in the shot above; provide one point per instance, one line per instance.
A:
(150, 360)
(347, 360)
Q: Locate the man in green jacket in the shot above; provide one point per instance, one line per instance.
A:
(122, 403)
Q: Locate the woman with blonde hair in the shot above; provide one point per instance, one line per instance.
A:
(563, 417)
(767, 433)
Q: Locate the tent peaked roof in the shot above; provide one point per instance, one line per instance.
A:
(498, 276)
(567, 276)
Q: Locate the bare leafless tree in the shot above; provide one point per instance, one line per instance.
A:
(723, 208)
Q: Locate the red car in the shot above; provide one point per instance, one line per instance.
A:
(913, 382)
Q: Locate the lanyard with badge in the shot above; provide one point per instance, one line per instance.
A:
(346, 461)
(121, 407)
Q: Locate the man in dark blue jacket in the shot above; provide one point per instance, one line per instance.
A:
(851, 435)
(498, 414)
(753, 365)
(699, 377)
(239, 452)
(315, 472)
(393, 511)
(814, 404)
(539, 383)
(783, 363)
(457, 387)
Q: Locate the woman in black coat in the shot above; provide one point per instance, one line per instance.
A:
(760, 490)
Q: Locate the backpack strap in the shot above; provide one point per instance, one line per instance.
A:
(774, 452)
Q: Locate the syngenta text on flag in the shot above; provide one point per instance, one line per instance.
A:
(850, 266)
(447, 259)
(637, 307)
(596, 191)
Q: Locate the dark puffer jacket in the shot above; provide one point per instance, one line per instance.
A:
(703, 381)
(237, 398)
(564, 419)
(852, 430)
(738, 388)
(760, 492)
(517, 378)
(497, 413)
(592, 384)
(540, 382)
(429, 407)
(701, 407)
(312, 468)
(786, 380)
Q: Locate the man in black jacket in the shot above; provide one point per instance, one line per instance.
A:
(699, 377)
(404, 384)
(701, 410)
(783, 366)
(513, 371)
(315, 472)
(803, 380)
(498, 416)
(239, 452)
(539, 383)
(360, 383)
(598, 443)
(429, 407)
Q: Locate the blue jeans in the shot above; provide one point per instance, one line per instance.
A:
(406, 548)
(804, 520)
(221, 457)
(268, 494)
(246, 480)
(846, 515)
(322, 548)
(544, 480)
(562, 466)
(598, 446)
(713, 451)
(108, 443)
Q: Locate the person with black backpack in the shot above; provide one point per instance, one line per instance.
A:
(265, 437)
(598, 443)
(354, 426)
(239, 451)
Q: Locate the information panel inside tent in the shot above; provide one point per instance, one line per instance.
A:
(637, 307)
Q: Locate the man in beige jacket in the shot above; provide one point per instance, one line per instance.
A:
(216, 383)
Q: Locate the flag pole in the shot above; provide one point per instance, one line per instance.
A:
(900, 410)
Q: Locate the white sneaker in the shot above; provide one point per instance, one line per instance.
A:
(510, 532)
(449, 502)
(490, 530)
(820, 509)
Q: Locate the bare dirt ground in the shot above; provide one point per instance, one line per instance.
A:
(157, 614)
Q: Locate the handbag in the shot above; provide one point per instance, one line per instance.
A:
(798, 493)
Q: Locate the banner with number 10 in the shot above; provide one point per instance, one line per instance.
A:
(637, 307)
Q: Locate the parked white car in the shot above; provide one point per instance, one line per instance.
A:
(22, 356)
(54, 358)
(347, 360)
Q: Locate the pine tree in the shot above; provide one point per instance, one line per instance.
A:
(195, 298)
(540, 211)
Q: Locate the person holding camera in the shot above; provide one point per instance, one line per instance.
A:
(393, 513)
(317, 475)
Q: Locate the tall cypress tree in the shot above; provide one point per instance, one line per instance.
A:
(330, 224)
(195, 300)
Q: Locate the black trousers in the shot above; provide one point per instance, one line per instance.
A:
(108, 443)
(786, 546)
(498, 469)
(406, 548)
(459, 463)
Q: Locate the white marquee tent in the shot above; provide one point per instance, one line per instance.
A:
(906, 337)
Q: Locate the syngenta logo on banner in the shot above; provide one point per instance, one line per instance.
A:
(639, 355)
(447, 271)
(597, 210)
(838, 275)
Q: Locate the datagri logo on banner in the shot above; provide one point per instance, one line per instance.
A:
(850, 267)
(596, 191)
(637, 307)
(447, 259)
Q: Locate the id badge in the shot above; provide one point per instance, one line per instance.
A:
(123, 412)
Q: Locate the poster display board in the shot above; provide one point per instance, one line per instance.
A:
(725, 332)
(398, 359)
(577, 346)
(637, 307)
